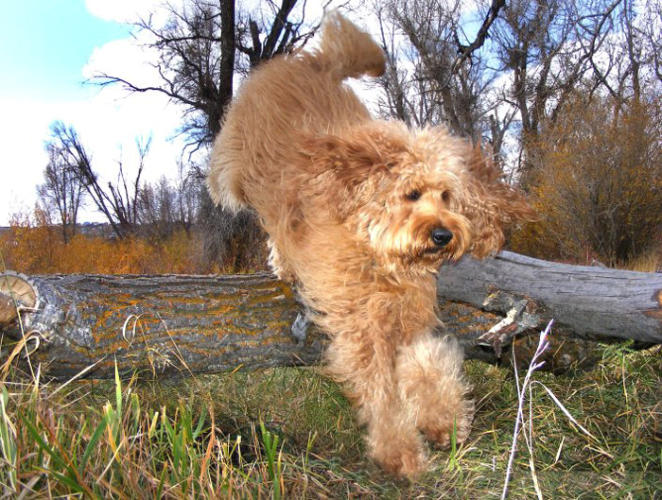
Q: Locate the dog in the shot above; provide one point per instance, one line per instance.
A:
(360, 214)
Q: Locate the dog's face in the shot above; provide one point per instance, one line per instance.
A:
(416, 198)
(412, 217)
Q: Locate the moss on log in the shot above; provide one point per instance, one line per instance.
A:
(162, 324)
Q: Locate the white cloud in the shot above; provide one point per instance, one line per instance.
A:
(131, 11)
(108, 123)
(128, 58)
(23, 156)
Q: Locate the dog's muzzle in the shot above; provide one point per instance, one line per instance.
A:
(441, 237)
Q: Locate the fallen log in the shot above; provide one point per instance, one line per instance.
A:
(160, 325)
(593, 302)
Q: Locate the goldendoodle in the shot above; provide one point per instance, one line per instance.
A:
(360, 215)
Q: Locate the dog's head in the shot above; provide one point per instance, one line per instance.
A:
(416, 198)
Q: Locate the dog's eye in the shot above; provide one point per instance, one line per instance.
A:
(446, 196)
(413, 195)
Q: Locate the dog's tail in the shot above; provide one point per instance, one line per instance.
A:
(344, 51)
(348, 51)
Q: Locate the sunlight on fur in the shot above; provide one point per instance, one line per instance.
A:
(360, 214)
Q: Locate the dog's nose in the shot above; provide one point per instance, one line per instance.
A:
(441, 236)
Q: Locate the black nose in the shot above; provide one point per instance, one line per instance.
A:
(441, 236)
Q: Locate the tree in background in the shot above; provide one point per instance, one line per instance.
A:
(437, 75)
(117, 202)
(203, 45)
(524, 61)
(199, 50)
(598, 188)
(592, 158)
(168, 206)
(551, 50)
(62, 191)
(124, 195)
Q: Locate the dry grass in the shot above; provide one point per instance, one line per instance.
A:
(649, 262)
(290, 433)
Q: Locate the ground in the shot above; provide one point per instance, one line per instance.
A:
(289, 432)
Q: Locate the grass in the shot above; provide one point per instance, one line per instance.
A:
(289, 433)
(648, 262)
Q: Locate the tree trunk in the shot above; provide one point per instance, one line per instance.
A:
(190, 324)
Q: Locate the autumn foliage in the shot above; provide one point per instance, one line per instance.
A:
(34, 246)
(597, 184)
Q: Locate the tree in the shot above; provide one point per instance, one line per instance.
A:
(62, 192)
(199, 50)
(550, 48)
(652, 37)
(187, 206)
(124, 196)
(156, 208)
(437, 75)
(598, 190)
(167, 206)
(525, 60)
(117, 202)
(636, 51)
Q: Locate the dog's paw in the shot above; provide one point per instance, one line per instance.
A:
(404, 462)
(441, 432)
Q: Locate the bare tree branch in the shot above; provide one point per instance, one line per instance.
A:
(466, 50)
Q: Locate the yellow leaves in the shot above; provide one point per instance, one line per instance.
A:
(596, 183)
(39, 249)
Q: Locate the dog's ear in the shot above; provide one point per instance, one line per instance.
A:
(352, 167)
(350, 162)
(491, 205)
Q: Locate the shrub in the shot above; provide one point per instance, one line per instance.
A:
(598, 184)
(36, 247)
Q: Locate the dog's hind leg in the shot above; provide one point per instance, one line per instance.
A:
(430, 380)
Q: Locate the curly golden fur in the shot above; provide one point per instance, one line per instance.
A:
(360, 215)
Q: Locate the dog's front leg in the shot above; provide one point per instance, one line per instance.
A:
(431, 381)
(366, 368)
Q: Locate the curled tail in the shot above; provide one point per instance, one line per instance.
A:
(347, 51)
(344, 51)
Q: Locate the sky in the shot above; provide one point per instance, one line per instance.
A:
(49, 49)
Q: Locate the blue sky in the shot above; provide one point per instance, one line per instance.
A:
(48, 49)
(46, 43)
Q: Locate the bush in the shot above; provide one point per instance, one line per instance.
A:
(36, 247)
(597, 186)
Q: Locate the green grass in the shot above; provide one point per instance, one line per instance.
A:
(289, 433)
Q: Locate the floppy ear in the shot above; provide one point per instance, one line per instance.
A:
(490, 205)
(349, 169)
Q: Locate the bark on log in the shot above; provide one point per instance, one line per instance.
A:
(162, 324)
(179, 324)
(593, 302)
